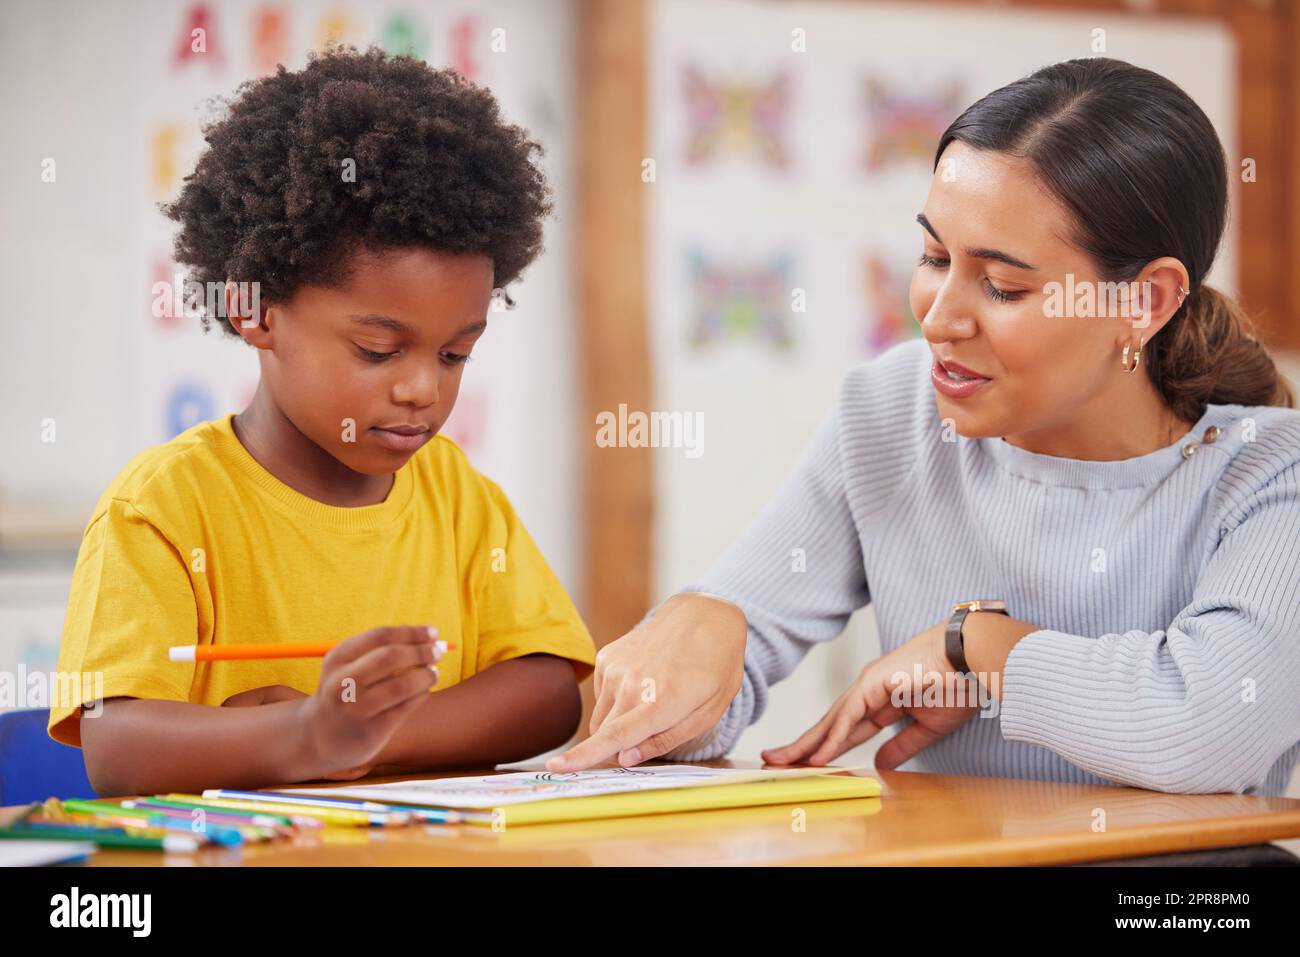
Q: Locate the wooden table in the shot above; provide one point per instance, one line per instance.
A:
(920, 819)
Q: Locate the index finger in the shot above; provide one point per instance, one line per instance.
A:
(613, 736)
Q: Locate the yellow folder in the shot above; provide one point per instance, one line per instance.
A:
(828, 787)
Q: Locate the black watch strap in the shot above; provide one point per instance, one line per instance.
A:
(954, 641)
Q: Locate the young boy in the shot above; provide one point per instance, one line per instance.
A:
(378, 204)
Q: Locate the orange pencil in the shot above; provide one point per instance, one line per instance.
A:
(255, 650)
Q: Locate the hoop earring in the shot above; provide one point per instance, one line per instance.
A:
(1182, 294)
(1137, 355)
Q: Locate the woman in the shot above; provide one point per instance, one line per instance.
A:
(1121, 474)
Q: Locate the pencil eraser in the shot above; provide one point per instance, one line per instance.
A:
(181, 652)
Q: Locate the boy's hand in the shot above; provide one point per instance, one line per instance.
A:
(368, 685)
(270, 694)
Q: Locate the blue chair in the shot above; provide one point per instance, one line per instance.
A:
(33, 766)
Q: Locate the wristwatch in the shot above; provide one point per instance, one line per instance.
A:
(955, 643)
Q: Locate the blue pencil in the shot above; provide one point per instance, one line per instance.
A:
(227, 836)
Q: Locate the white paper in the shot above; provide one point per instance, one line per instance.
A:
(36, 853)
(520, 787)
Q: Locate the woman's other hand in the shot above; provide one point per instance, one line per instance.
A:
(915, 680)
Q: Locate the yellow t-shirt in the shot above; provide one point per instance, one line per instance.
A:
(196, 542)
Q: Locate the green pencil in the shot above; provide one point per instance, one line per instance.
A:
(261, 818)
(101, 837)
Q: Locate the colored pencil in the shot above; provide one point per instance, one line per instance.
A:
(431, 815)
(333, 816)
(102, 837)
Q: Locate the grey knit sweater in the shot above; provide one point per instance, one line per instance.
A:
(1166, 587)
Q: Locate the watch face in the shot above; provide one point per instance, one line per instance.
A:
(981, 604)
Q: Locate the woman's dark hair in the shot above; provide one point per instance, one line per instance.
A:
(433, 165)
(1142, 172)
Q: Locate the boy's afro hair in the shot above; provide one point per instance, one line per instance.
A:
(435, 167)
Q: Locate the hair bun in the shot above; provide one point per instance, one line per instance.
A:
(1207, 353)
